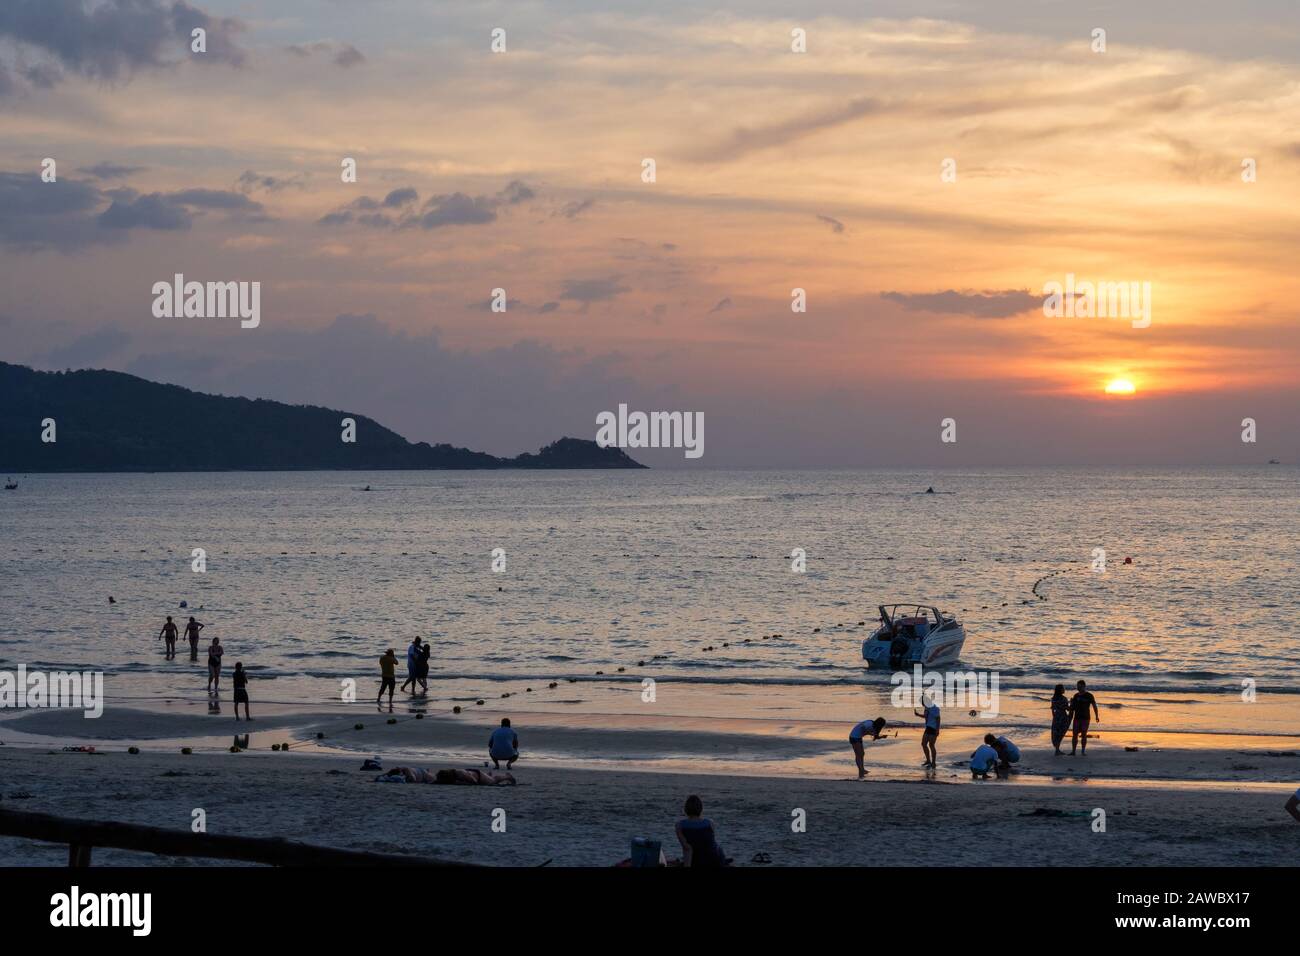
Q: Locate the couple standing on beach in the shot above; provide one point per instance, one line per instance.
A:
(417, 670)
(1076, 711)
(169, 632)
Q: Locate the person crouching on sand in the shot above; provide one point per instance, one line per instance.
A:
(931, 734)
(503, 745)
(240, 677)
(388, 677)
(1008, 753)
(984, 759)
(1060, 717)
(1079, 705)
(857, 735)
(215, 650)
(695, 834)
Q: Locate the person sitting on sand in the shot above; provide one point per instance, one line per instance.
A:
(1060, 717)
(215, 650)
(192, 633)
(388, 675)
(503, 745)
(412, 659)
(695, 833)
(1293, 805)
(931, 734)
(984, 759)
(240, 678)
(1079, 705)
(169, 633)
(856, 736)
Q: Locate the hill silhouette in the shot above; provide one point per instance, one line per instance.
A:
(111, 421)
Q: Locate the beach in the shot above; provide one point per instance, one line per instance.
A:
(1198, 801)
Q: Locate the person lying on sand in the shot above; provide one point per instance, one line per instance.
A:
(1079, 705)
(1293, 805)
(695, 833)
(984, 759)
(858, 733)
(470, 777)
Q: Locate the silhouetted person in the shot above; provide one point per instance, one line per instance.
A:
(412, 665)
(858, 733)
(388, 676)
(169, 633)
(695, 834)
(240, 678)
(1079, 705)
(422, 666)
(192, 632)
(215, 650)
(1060, 717)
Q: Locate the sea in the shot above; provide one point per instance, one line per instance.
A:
(715, 594)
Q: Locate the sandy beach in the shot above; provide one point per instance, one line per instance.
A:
(1176, 800)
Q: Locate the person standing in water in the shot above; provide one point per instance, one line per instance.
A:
(412, 665)
(192, 632)
(931, 734)
(858, 734)
(422, 667)
(240, 678)
(1060, 717)
(215, 650)
(169, 633)
(1079, 705)
(388, 677)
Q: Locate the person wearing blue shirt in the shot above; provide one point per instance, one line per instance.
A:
(503, 745)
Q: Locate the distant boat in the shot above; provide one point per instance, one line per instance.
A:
(10, 485)
(1274, 461)
(913, 634)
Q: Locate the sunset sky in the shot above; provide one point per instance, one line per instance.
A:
(775, 170)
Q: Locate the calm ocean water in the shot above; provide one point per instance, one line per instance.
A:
(309, 578)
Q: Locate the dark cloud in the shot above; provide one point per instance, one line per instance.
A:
(984, 305)
(86, 349)
(108, 170)
(722, 304)
(547, 307)
(744, 140)
(835, 224)
(153, 211)
(72, 214)
(397, 209)
(587, 291)
(572, 210)
(111, 39)
(401, 197)
(250, 181)
(342, 54)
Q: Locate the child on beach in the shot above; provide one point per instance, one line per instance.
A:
(931, 734)
(856, 735)
(388, 675)
(215, 650)
(984, 759)
(1060, 717)
(169, 633)
(503, 745)
(240, 678)
(1079, 705)
(695, 834)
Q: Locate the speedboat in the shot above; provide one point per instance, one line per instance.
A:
(913, 634)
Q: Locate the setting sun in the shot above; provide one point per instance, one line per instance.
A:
(1120, 386)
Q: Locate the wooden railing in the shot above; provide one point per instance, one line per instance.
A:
(82, 836)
